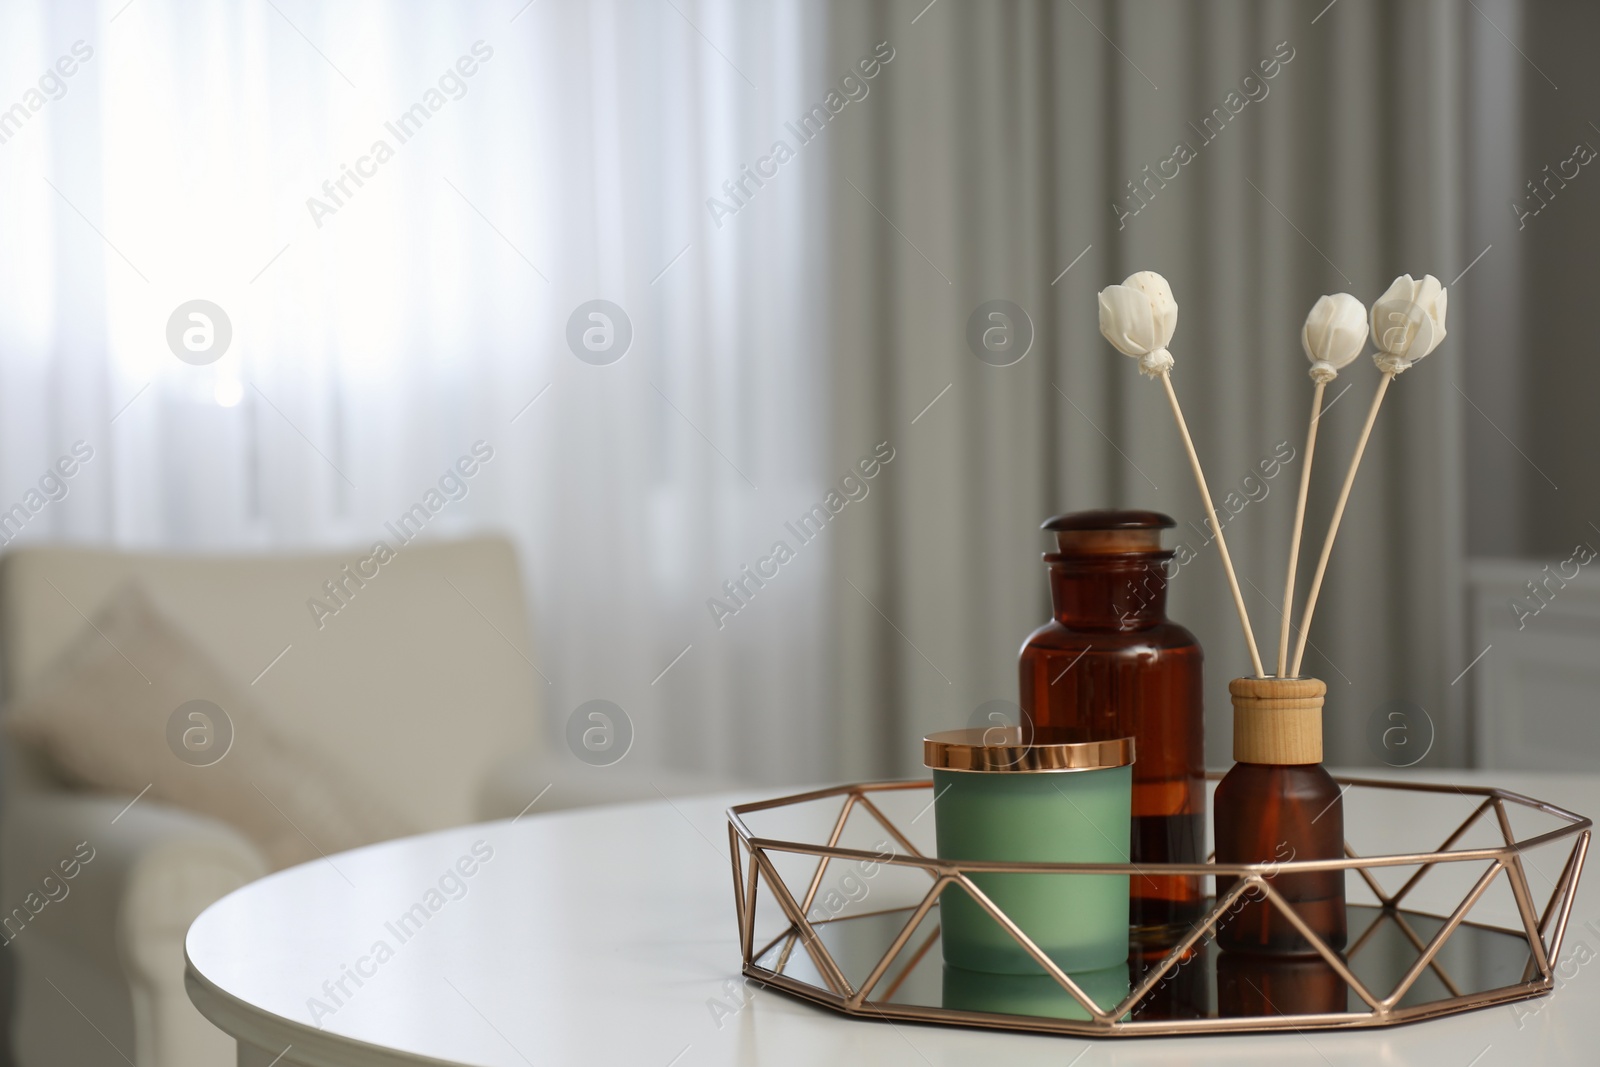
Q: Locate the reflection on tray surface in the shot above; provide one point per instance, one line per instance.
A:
(1205, 983)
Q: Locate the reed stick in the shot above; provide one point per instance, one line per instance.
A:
(1211, 513)
(1299, 526)
(1338, 514)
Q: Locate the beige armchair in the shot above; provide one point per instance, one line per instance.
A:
(424, 680)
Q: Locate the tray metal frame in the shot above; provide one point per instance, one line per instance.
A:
(1543, 930)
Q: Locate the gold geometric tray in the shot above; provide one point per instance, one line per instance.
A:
(806, 927)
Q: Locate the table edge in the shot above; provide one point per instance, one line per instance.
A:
(312, 1047)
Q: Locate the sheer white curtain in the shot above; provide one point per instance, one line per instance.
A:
(390, 307)
(782, 327)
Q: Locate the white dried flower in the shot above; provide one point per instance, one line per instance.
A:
(1138, 318)
(1334, 335)
(1408, 322)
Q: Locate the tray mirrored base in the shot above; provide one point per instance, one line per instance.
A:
(1207, 991)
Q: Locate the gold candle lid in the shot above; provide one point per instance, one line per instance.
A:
(1005, 749)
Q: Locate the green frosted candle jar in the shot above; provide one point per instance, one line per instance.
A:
(1044, 801)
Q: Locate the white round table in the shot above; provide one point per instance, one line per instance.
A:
(607, 936)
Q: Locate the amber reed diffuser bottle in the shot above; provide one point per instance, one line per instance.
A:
(1111, 664)
(1277, 805)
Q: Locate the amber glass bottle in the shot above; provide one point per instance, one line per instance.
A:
(1110, 664)
(1276, 805)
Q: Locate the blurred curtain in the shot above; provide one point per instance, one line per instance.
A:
(425, 307)
(790, 330)
(1002, 147)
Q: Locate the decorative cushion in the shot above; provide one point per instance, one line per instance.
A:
(134, 704)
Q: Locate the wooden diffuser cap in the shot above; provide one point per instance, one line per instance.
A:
(1277, 720)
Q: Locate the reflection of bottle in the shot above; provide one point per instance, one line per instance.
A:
(1250, 985)
(1278, 805)
(1110, 664)
(1184, 992)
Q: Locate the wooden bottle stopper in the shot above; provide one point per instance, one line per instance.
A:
(1277, 720)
